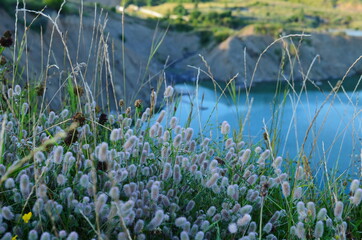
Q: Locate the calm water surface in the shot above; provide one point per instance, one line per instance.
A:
(335, 135)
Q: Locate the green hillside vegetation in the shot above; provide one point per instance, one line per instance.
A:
(222, 18)
(267, 17)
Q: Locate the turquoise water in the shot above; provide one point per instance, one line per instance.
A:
(334, 136)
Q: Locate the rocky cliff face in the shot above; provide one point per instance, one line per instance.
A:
(326, 56)
(95, 51)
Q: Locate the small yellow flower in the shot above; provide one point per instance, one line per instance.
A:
(26, 217)
(15, 237)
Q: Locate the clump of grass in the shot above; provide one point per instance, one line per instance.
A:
(142, 184)
(78, 173)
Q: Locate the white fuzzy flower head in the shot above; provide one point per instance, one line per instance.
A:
(286, 189)
(157, 220)
(103, 151)
(225, 128)
(319, 229)
(168, 92)
(212, 180)
(258, 150)
(130, 142)
(297, 193)
(25, 108)
(322, 214)
(180, 221)
(357, 197)
(244, 220)
(161, 116)
(338, 209)
(233, 228)
(354, 185)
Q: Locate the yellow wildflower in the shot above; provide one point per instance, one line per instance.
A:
(26, 217)
(15, 237)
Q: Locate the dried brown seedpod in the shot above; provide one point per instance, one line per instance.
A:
(121, 103)
(264, 189)
(103, 119)
(40, 89)
(128, 111)
(71, 137)
(78, 91)
(6, 40)
(79, 118)
(138, 103)
(219, 160)
(97, 109)
(2, 61)
(103, 166)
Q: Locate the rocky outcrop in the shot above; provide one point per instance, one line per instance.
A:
(333, 56)
(96, 53)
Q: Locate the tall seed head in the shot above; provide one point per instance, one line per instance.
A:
(300, 231)
(114, 135)
(7, 213)
(225, 128)
(168, 92)
(212, 180)
(245, 220)
(190, 206)
(189, 134)
(177, 140)
(286, 189)
(199, 235)
(24, 108)
(72, 236)
(338, 209)
(297, 193)
(299, 174)
(357, 197)
(180, 221)
(58, 154)
(245, 157)
(322, 214)
(354, 185)
(311, 210)
(268, 227)
(155, 189)
(138, 226)
(277, 162)
(233, 228)
(173, 122)
(45, 236)
(157, 220)
(177, 174)
(167, 172)
(100, 202)
(102, 152)
(24, 185)
(33, 235)
(319, 229)
(161, 116)
(130, 142)
(114, 193)
(9, 183)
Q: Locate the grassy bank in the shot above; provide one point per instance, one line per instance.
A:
(81, 172)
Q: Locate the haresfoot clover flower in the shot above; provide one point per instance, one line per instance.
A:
(168, 92)
(150, 176)
(225, 128)
(338, 209)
